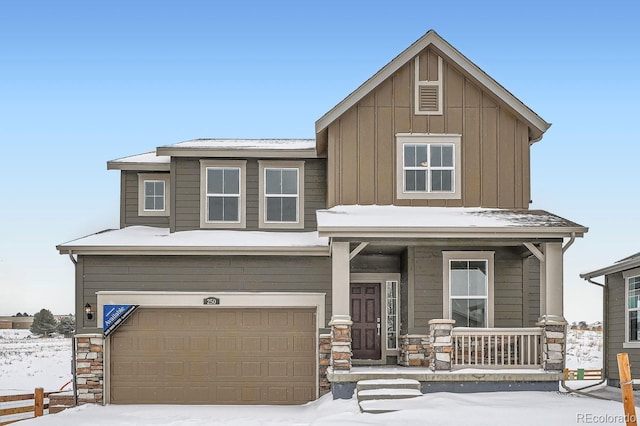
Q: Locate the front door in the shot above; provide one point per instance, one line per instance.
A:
(365, 314)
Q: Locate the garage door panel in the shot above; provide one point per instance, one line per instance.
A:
(251, 356)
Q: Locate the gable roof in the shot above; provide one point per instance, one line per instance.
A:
(629, 262)
(431, 38)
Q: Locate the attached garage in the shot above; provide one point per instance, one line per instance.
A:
(214, 356)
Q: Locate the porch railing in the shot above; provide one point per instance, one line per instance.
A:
(496, 347)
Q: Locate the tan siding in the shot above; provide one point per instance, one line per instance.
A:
(366, 155)
(495, 147)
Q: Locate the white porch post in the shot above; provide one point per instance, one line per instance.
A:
(553, 279)
(552, 314)
(340, 317)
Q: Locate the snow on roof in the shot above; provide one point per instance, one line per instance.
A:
(146, 161)
(428, 219)
(628, 262)
(149, 239)
(226, 144)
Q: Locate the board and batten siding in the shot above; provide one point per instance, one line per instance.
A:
(426, 265)
(129, 204)
(614, 332)
(186, 196)
(495, 143)
(199, 273)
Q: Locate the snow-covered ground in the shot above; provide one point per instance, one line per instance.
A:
(26, 363)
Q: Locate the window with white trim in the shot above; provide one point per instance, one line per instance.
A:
(428, 166)
(468, 288)
(633, 309)
(222, 194)
(153, 194)
(281, 194)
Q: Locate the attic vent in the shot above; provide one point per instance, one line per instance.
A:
(428, 93)
(428, 98)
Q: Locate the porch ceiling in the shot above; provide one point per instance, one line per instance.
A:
(419, 223)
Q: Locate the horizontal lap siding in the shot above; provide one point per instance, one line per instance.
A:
(206, 273)
(130, 208)
(531, 289)
(614, 332)
(187, 198)
(428, 286)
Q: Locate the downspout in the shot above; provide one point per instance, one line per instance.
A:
(73, 346)
(581, 391)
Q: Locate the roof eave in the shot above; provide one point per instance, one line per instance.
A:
(239, 152)
(452, 232)
(138, 166)
(195, 250)
(432, 38)
(611, 269)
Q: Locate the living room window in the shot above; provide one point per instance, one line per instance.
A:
(223, 188)
(632, 319)
(281, 194)
(428, 166)
(468, 288)
(153, 194)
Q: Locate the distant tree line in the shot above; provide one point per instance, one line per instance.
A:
(45, 323)
(21, 315)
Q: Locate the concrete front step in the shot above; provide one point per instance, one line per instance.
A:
(387, 384)
(378, 395)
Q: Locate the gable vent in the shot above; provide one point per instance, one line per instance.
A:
(428, 98)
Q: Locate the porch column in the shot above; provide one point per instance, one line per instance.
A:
(552, 319)
(553, 279)
(340, 317)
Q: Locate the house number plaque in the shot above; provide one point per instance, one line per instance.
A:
(211, 301)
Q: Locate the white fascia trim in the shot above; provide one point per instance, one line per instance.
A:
(432, 38)
(396, 232)
(228, 299)
(243, 153)
(618, 267)
(197, 251)
(143, 167)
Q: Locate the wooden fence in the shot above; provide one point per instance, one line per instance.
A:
(14, 408)
(582, 374)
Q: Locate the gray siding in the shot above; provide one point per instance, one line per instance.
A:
(129, 209)
(200, 273)
(614, 332)
(428, 286)
(187, 193)
(531, 291)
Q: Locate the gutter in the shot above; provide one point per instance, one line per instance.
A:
(74, 383)
(605, 295)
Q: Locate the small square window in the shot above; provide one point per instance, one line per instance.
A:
(153, 194)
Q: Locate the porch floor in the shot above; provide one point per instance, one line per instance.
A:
(424, 374)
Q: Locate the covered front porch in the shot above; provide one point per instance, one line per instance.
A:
(469, 296)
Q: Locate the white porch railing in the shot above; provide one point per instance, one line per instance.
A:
(496, 347)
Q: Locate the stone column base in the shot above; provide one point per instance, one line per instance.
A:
(341, 342)
(553, 342)
(89, 377)
(324, 361)
(441, 344)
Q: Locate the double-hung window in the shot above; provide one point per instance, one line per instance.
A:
(153, 194)
(281, 194)
(428, 166)
(632, 320)
(223, 194)
(468, 288)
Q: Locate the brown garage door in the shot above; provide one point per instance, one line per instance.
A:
(214, 356)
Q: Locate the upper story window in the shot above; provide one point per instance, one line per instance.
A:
(281, 194)
(428, 166)
(468, 288)
(153, 194)
(223, 188)
(632, 320)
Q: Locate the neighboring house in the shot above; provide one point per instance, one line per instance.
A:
(402, 229)
(621, 320)
(16, 322)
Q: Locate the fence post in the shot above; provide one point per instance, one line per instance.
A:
(626, 387)
(38, 408)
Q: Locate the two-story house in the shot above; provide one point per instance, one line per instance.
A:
(397, 243)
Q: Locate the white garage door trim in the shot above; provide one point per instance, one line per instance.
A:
(175, 299)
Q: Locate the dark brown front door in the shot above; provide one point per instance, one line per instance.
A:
(365, 314)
